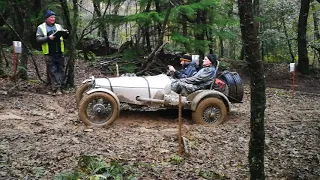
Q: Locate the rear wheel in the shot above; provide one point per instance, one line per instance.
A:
(98, 109)
(210, 111)
(80, 90)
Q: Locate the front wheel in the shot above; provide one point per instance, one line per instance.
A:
(98, 109)
(210, 111)
(80, 90)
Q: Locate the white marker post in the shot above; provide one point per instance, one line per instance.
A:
(195, 58)
(292, 70)
(17, 49)
(117, 70)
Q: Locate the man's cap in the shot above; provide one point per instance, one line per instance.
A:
(49, 13)
(186, 57)
(212, 58)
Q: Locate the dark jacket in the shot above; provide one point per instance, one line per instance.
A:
(202, 78)
(186, 72)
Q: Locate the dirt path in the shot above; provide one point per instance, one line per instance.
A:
(40, 136)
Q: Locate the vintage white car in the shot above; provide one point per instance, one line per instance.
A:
(101, 104)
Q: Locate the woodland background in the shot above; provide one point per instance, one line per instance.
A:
(136, 30)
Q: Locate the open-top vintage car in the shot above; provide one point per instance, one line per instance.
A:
(101, 104)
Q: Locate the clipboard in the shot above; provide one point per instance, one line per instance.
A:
(60, 33)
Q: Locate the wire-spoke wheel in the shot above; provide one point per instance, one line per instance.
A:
(80, 90)
(98, 109)
(210, 111)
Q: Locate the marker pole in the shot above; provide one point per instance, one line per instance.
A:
(293, 75)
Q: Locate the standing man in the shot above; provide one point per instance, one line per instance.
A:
(52, 48)
(189, 68)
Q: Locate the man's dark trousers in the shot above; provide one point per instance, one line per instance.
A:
(55, 70)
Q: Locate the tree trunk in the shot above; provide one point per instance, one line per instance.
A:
(72, 40)
(256, 24)
(288, 39)
(303, 61)
(221, 47)
(210, 39)
(316, 35)
(200, 35)
(1, 61)
(242, 53)
(102, 27)
(145, 30)
(147, 64)
(25, 37)
(147, 38)
(185, 33)
(257, 87)
(262, 47)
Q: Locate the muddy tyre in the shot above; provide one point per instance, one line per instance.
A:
(210, 111)
(80, 90)
(98, 109)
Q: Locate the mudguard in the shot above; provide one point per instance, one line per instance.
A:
(209, 93)
(105, 91)
(88, 80)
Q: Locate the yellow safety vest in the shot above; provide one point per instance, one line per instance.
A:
(45, 46)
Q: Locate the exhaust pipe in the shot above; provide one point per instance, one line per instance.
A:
(138, 98)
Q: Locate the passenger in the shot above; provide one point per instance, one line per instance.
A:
(189, 68)
(201, 80)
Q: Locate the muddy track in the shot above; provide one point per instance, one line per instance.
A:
(41, 136)
(38, 131)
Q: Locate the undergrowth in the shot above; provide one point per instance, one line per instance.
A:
(95, 168)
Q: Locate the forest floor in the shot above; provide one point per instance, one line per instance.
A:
(41, 136)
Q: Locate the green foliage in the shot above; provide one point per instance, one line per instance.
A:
(38, 171)
(277, 58)
(21, 68)
(145, 18)
(128, 68)
(94, 168)
(200, 45)
(3, 5)
(190, 43)
(36, 52)
(224, 65)
(186, 10)
(175, 47)
(90, 56)
(176, 159)
(191, 8)
(211, 175)
(114, 19)
(131, 54)
(69, 176)
(179, 38)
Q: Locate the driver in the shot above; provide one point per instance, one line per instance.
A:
(201, 80)
(189, 68)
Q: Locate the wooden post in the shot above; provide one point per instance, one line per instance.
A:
(293, 74)
(14, 59)
(117, 70)
(180, 127)
(292, 69)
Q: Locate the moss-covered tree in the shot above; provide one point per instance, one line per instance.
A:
(303, 62)
(257, 89)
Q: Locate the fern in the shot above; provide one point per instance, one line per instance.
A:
(94, 168)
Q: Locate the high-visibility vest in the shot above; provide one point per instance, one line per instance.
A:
(45, 46)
